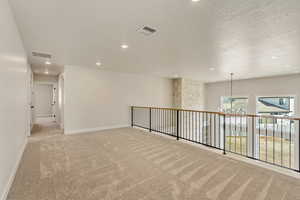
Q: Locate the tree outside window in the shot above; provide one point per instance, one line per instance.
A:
(234, 105)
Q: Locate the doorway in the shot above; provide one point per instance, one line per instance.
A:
(45, 109)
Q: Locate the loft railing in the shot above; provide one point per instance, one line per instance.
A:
(270, 139)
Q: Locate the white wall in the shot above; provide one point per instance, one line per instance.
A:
(97, 99)
(13, 98)
(271, 86)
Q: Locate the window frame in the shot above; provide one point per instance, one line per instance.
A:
(237, 97)
(276, 96)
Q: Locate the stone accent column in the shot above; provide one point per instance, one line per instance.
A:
(177, 93)
(188, 94)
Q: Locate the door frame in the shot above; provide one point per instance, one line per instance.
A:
(30, 85)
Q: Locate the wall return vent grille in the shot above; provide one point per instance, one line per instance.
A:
(41, 55)
(146, 30)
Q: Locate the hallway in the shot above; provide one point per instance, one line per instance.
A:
(45, 129)
(132, 164)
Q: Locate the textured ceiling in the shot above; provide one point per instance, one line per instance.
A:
(251, 38)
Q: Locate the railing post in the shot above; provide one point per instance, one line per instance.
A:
(253, 136)
(298, 145)
(177, 124)
(131, 116)
(224, 135)
(150, 120)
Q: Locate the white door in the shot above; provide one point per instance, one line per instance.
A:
(30, 107)
(43, 102)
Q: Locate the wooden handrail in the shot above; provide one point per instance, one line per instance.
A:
(221, 113)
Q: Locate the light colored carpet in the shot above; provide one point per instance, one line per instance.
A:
(45, 129)
(130, 164)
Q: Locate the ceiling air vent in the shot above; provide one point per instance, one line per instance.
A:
(41, 55)
(146, 30)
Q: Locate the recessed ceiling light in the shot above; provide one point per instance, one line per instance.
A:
(46, 72)
(98, 63)
(195, 0)
(124, 46)
(274, 57)
(212, 69)
(48, 62)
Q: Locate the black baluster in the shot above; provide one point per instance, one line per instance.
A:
(150, 120)
(177, 124)
(131, 116)
(224, 135)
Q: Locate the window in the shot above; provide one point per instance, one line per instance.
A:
(239, 104)
(278, 106)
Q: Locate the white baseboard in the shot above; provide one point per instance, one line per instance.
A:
(13, 172)
(89, 130)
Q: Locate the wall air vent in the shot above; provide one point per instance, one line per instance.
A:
(41, 55)
(146, 30)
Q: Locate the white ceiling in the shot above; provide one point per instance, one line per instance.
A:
(239, 36)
